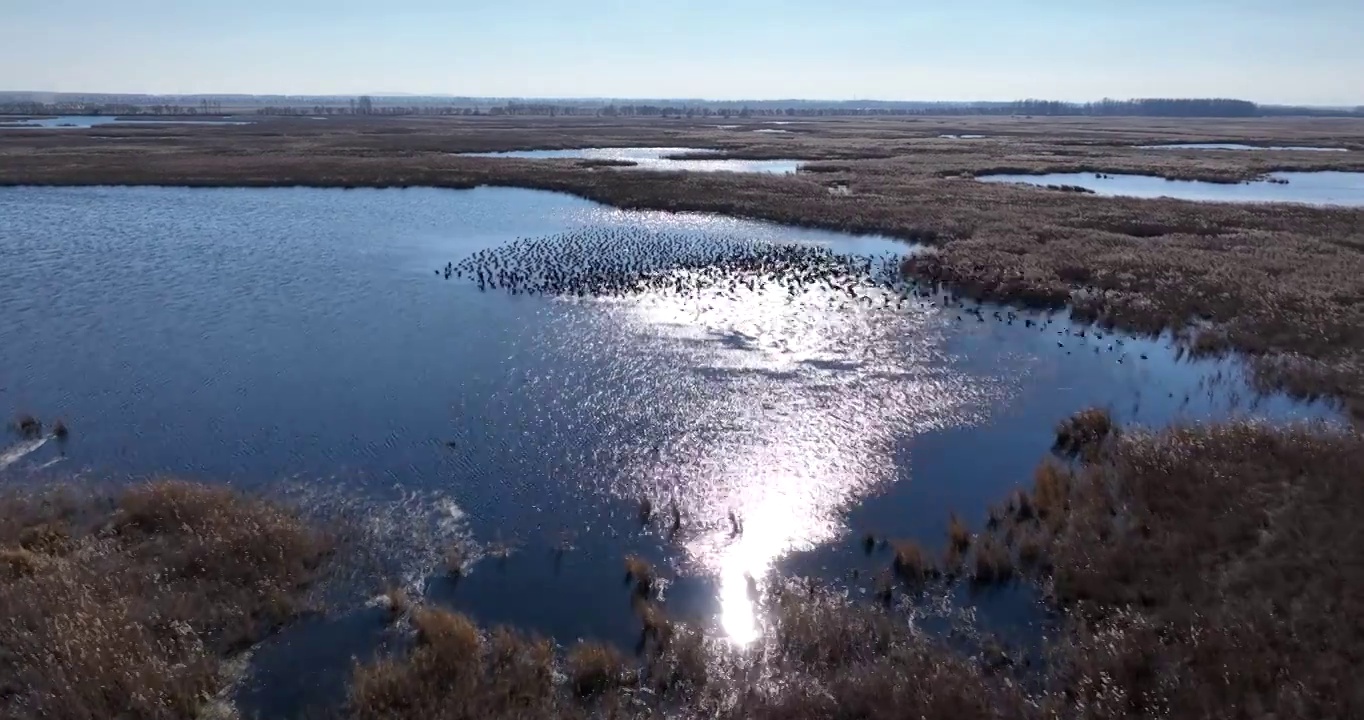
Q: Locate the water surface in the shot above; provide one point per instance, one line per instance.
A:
(89, 121)
(657, 158)
(1311, 188)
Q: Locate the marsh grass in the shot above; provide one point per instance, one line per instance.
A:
(1051, 490)
(606, 163)
(594, 668)
(1205, 567)
(125, 605)
(453, 671)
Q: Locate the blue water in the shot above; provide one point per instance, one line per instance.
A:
(657, 158)
(89, 121)
(1310, 188)
(1239, 146)
(297, 341)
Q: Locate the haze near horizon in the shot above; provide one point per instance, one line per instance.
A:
(883, 49)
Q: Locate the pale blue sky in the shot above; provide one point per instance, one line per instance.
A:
(1300, 51)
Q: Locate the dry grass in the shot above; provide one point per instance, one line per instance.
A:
(453, 671)
(1209, 567)
(594, 668)
(825, 659)
(125, 606)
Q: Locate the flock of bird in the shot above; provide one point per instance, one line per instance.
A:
(604, 262)
(617, 261)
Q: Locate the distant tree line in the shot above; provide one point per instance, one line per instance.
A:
(33, 104)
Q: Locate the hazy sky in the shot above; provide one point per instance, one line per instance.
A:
(1308, 51)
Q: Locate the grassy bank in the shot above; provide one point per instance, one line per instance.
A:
(131, 604)
(1282, 283)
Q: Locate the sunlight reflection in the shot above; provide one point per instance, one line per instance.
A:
(812, 389)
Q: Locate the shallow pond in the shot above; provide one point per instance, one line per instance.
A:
(1238, 146)
(656, 158)
(299, 342)
(89, 121)
(1311, 188)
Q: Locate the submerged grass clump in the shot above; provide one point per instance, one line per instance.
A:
(454, 561)
(992, 563)
(911, 563)
(27, 426)
(639, 572)
(957, 533)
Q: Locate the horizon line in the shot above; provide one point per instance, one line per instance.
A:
(642, 98)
